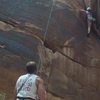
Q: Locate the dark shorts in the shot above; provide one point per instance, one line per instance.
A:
(24, 98)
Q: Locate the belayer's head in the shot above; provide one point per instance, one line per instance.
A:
(88, 8)
(31, 67)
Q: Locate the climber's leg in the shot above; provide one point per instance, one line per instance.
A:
(89, 27)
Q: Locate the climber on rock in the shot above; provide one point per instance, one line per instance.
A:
(90, 19)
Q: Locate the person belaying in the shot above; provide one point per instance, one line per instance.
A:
(30, 86)
(90, 19)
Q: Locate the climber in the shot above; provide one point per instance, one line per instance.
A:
(30, 86)
(90, 19)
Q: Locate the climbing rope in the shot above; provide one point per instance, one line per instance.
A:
(48, 22)
(44, 38)
(45, 34)
(49, 19)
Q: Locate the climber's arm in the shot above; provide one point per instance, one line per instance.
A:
(82, 10)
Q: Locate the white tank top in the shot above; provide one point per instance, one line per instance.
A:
(29, 89)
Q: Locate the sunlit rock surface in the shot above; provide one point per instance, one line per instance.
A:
(68, 61)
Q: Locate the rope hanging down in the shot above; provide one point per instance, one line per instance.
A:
(44, 38)
(49, 19)
(47, 26)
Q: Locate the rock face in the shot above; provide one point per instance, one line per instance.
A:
(69, 61)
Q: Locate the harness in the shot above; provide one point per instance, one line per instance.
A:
(22, 98)
(89, 16)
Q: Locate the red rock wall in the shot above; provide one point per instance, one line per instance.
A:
(76, 78)
(72, 72)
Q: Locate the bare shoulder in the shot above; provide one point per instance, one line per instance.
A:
(39, 80)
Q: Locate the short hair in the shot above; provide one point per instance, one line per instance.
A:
(31, 67)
